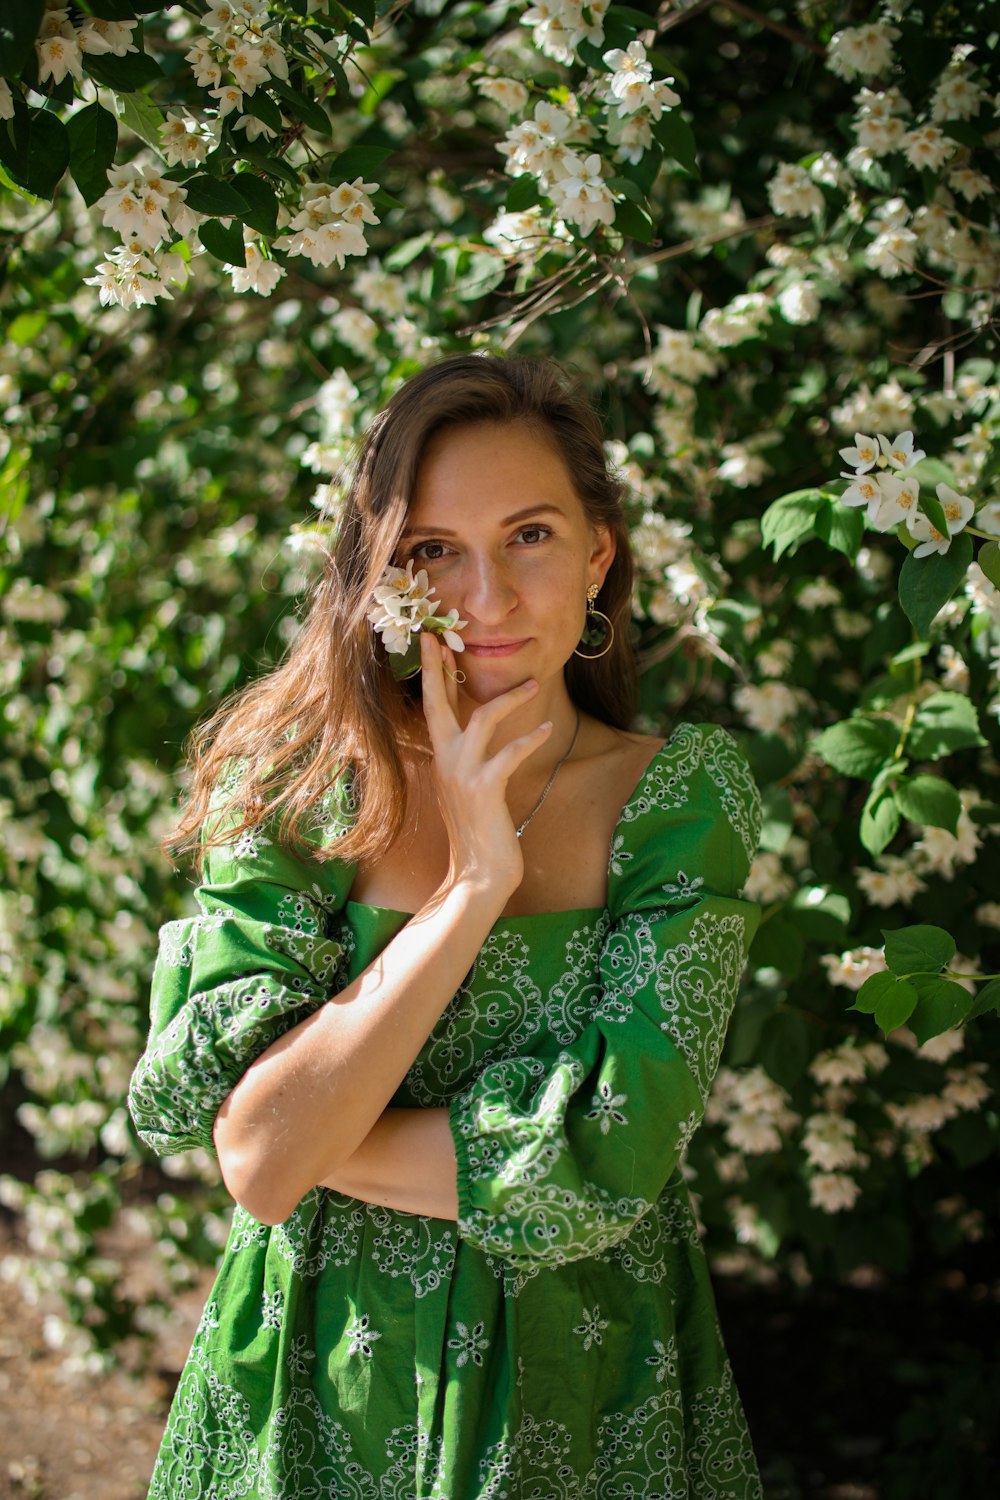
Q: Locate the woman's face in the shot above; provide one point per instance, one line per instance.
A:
(503, 535)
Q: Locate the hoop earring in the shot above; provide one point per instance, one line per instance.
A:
(598, 629)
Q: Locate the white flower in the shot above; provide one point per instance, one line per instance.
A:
(871, 490)
(97, 36)
(927, 147)
(799, 302)
(204, 66)
(6, 101)
(254, 127)
(833, 1192)
(403, 602)
(852, 968)
(131, 278)
(900, 453)
(966, 1087)
(580, 193)
(863, 455)
(828, 1141)
(839, 1065)
(273, 59)
(892, 251)
(896, 881)
(767, 707)
(248, 68)
(970, 183)
(259, 274)
(740, 467)
(880, 136)
(59, 55)
(957, 97)
(792, 192)
(230, 98)
(506, 92)
(898, 503)
(958, 511)
(182, 143)
(861, 49)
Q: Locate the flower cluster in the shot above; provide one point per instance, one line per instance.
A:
(329, 226)
(881, 481)
(404, 604)
(61, 45)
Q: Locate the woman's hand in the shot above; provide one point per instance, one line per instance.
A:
(472, 784)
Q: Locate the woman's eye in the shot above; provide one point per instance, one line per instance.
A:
(430, 551)
(533, 534)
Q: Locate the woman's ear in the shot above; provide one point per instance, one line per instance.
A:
(602, 553)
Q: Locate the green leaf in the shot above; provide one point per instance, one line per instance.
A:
(879, 821)
(821, 915)
(223, 241)
(356, 161)
(944, 722)
(989, 560)
(20, 23)
(34, 147)
(633, 221)
(934, 511)
(785, 1047)
(987, 999)
(298, 107)
(677, 139)
(779, 945)
(142, 117)
(15, 187)
(941, 1004)
(364, 10)
(273, 166)
(262, 107)
(93, 140)
(929, 800)
(908, 950)
(407, 251)
(522, 194)
(124, 74)
(262, 203)
(858, 747)
(26, 327)
(841, 527)
(210, 195)
(115, 10)
(790, 519)
(927, 583)
(890, 1000)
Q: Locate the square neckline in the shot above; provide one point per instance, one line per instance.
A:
(563, 911)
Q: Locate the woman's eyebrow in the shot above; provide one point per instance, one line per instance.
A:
(541, 509)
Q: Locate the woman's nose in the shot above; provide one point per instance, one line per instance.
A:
(489, 591)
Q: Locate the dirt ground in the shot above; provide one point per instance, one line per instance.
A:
(91, 1439)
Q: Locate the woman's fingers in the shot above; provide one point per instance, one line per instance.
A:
(439, 712)
(507, 760)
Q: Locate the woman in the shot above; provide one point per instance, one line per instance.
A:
(448, 1050)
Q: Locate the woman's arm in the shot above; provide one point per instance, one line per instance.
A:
(307, 1104)
(406, 1162)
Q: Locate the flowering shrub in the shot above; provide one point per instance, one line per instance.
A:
(768, 241)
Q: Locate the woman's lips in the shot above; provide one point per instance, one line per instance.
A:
(490, 649)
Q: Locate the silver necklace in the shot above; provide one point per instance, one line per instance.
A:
(555, 772)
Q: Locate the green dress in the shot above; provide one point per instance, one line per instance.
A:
(560, 1342)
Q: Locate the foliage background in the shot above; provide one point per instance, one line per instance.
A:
(169, 472)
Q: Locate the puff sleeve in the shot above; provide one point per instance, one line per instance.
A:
(561, 1152)
(253, 961)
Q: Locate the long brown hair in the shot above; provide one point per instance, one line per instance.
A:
(333, 702)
